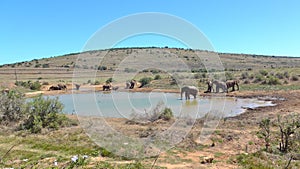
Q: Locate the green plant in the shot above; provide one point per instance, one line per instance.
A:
(43, 113)
(145, 81)
(229, 76)
(102, 68)
(157, 77)
(46, 65)
(265, 132)
(294, 78)
(287, 126)
(167, 114)
(244, 75)
(109, 80)
(11, 109)
(263, 72)
(272, 81)
(97, 82)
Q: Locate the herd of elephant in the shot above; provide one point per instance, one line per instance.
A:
(187, 90)
(225, 86)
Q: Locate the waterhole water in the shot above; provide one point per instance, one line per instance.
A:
(125, 104)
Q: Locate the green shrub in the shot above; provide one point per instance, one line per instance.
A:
(46, 65)
(258, 78)
(43, 113)
(29, 84)
(145, 81)
(11, 106)
(167, 114)
(263, 72)
(279, 75)
(286, 75)
(35, 85)
(244, 75)
(102, 68)
(97, 82)
(157, 77)
(271, 80)
(294, 78)
(229, 76)
(109, 80)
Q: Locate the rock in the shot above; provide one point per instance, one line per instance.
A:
(207, 160)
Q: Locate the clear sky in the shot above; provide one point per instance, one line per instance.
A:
(32, 29)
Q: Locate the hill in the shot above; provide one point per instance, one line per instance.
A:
(107, 61)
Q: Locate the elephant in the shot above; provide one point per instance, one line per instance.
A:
(232, 83)
(209, 87)
(62, 87)
(106, 87)
(115, 87)
(220, 84)
(127, 85)
(189, 90)
(131, 84)
(58, 87)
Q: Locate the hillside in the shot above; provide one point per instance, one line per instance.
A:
(61, 67)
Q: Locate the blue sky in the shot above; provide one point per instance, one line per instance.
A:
(34, 29)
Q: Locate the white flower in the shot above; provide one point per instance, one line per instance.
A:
(85, 156)
(25, 159)
(74, 158)
(55, 163)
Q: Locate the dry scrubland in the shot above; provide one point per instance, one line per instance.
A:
(251, 140)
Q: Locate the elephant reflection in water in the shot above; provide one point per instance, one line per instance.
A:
(189, 90)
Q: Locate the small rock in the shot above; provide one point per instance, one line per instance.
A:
(207, 160)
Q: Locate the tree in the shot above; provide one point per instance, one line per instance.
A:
(288, 126)
(264, 131)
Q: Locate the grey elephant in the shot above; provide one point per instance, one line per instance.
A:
(232, 83)
(209, 87)
(220, 84)
(189, 90)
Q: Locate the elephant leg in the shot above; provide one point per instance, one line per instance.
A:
(186, 96)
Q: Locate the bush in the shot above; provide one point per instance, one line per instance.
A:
(158, 112)
(229, 76)
(273, 81)
(46, 65)
(157, 77)
(263, 72)
(102, 68)
(11, 106)
(29, 84)
(43, 113)
(97, 82)
(258, 78)
(167, 114)
(244, 75)
(35, 85)
(145, 81)
(109, 80)
(280, 75)
(286, 75)
(294, 78)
